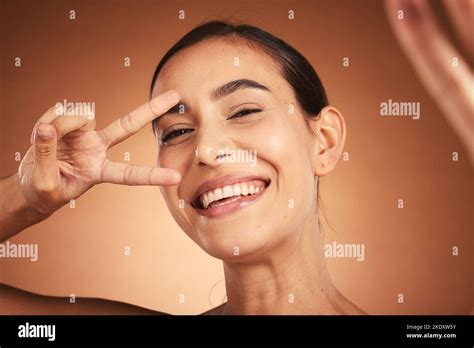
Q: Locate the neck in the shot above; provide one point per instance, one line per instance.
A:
(291, 279)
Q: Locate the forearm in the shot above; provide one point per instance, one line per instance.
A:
(15, 215)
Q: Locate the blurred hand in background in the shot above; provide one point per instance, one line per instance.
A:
(443, 71)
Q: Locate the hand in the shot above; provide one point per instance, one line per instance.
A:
(68, 156)
(433, 56)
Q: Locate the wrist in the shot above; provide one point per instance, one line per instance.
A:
(15, 211)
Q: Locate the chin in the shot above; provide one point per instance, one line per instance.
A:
(239, 226)
(235, 243)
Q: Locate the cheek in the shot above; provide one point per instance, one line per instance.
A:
(169, 193)
(280, 140)
(165, 159)
(283, 144)
(179, 158)
(173, 157)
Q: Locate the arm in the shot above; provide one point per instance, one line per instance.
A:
(15, 214)
(66, 158)
(18, 302)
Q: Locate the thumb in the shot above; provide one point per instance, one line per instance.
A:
(45, 143)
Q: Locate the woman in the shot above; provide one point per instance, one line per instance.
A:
(259, 272)
(221, 91)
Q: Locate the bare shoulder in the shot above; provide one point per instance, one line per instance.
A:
(14, 301)
(346, 307)
(215, 311)
(352, 309)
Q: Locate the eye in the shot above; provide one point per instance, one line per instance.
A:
(173, 134)
(244, 112)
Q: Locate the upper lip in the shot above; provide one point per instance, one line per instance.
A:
(225, 180)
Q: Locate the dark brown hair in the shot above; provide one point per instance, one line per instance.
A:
(299, 73)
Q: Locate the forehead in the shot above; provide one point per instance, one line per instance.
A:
(214, 62)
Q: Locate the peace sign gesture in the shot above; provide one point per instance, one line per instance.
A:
(68, 156)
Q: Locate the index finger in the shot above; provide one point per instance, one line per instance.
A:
(461, 12)
(132, 122)
(431, 53)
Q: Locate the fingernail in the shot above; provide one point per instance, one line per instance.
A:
(33, 132)
(412, 10)
(172, 96)
(177, 176)
(44, 133)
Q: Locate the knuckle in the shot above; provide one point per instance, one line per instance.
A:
(155, 109)
(150, 175)
(104, 138)
(128, 174)
(45, 187)
(128, 124)
(45, 151)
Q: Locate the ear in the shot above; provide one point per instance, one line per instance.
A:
(329, 139)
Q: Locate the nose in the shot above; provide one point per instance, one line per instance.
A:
(212, 145)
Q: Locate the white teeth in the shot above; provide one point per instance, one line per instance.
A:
(244, 189)
(210, 196)
(228, 192)
(238, 189)
(218, 194)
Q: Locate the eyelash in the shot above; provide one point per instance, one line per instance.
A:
(178, 132)
(173, 134)
(244, 112)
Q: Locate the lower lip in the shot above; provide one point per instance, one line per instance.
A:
(231, 207)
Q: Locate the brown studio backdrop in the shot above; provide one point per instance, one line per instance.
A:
(81, 250)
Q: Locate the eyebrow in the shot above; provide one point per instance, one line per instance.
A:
(232, 86)
(220, 92)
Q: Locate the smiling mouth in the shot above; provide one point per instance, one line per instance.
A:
(229, 198)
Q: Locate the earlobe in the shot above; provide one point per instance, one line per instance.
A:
(330, 136)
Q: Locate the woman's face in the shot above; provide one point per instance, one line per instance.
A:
(270, 150)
